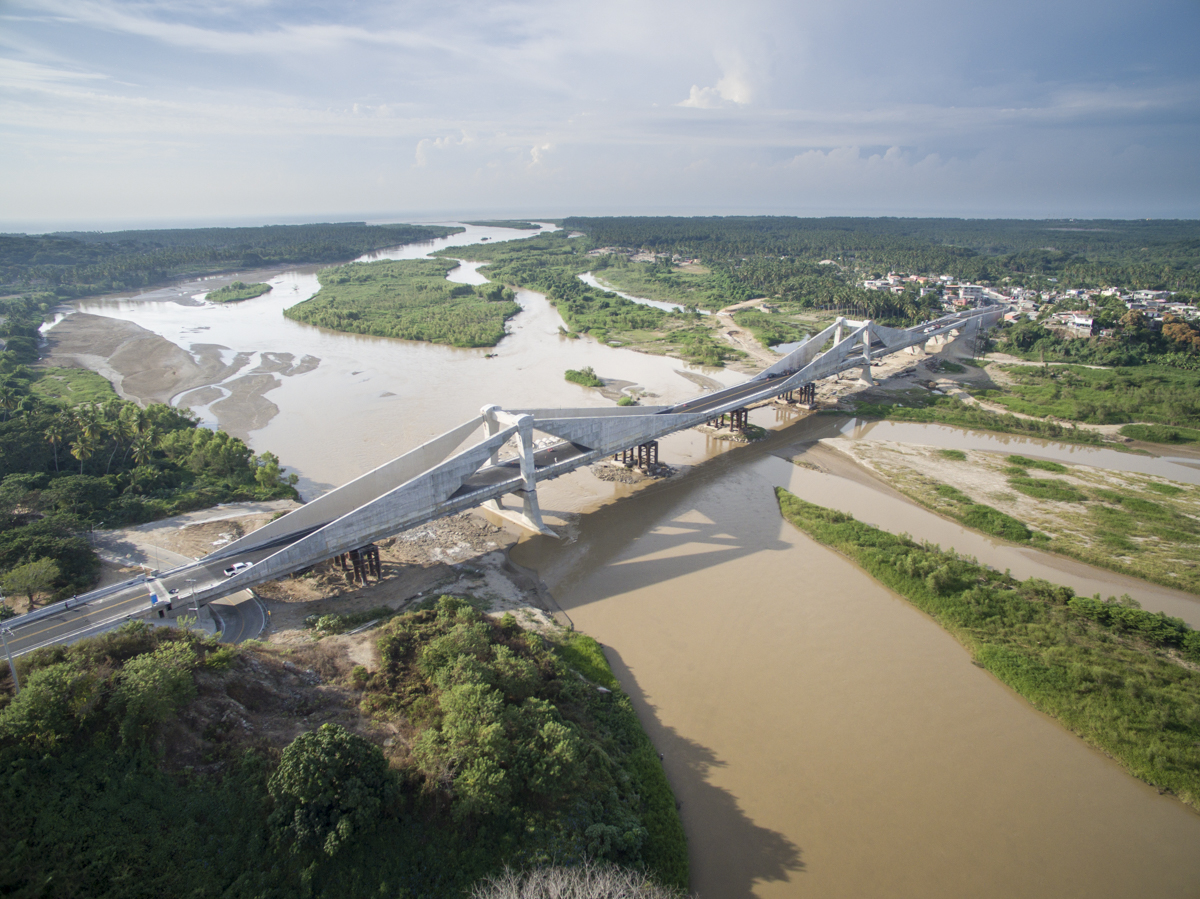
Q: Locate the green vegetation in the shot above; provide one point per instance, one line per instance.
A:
(662, 282)
(771, 328)
(781, 256)
(1047, 488)
(410, 299)
(75, 264)
(1109, 672)
(237, 291)
(550, 263)
(1040, 464)
(948, 410)
(953, 455)
(1130, 340)
(339, 624)
(586, 377)
(1161, 434)
(1148, 393)
(1126, 522)
(68, 463)
(115, 756)
(70, 386)
(979, 516)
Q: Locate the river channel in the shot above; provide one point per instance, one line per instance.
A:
(825, 738)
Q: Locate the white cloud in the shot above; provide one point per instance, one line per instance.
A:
(734, 87)
(426, 146)
(703, 98)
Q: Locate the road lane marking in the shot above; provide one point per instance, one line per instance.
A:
(25, 636)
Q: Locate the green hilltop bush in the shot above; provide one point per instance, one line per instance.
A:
(507, 754)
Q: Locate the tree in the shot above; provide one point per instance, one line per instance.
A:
(83, 449)
(330, 785)
(54, 434)
(8, 400)
(31, 578)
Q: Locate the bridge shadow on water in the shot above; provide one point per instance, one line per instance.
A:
(711, 815)
(704, 517)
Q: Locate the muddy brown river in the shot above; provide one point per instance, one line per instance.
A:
(825, 738)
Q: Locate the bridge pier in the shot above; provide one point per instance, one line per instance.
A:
(641, 456)
(363, 562)
(804, 394)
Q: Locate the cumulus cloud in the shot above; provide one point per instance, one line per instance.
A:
(527, 99)
(427, 146)
(734, 88)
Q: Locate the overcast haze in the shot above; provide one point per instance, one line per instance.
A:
(172, 112)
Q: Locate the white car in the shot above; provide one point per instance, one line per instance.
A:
(237, 568)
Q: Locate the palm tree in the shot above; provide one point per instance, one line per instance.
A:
(54, 433)
(143, 447)
(121, 429)
(8, 400)
(83, 449)
(88, 419)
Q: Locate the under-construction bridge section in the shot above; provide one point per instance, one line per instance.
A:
(475, 464)
(441, 478)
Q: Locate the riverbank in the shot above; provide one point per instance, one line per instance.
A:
(145, 368)
(1136, 524)
(1126, 687)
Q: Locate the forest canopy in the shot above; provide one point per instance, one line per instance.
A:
(79, 263)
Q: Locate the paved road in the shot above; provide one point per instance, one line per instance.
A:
(240, 617)
(88, 616)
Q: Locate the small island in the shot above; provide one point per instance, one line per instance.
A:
(507, 223)
(409, 299)
(587, 377)
(237, 291)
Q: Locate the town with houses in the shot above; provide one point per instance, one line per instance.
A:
(1030, 304)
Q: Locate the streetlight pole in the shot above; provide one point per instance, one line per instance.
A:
(4, 634)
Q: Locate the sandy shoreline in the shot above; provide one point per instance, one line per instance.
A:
(145, 368)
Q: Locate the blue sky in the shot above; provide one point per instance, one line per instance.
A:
(227, 111)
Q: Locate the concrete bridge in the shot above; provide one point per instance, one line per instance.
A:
(472, 465)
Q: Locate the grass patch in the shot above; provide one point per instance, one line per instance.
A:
(1154, 394)
(72, 386)
(953, 367)
(1020, 462)
(1161, 434)
(586, 656)
(686, 287)
(1104, 670)
(1048, 488)
(953, 455)
(947, 410)
(980, 516)
(771, 329)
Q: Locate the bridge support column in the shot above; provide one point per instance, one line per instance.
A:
(530, 515)
(493, 427)
(866, 358)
